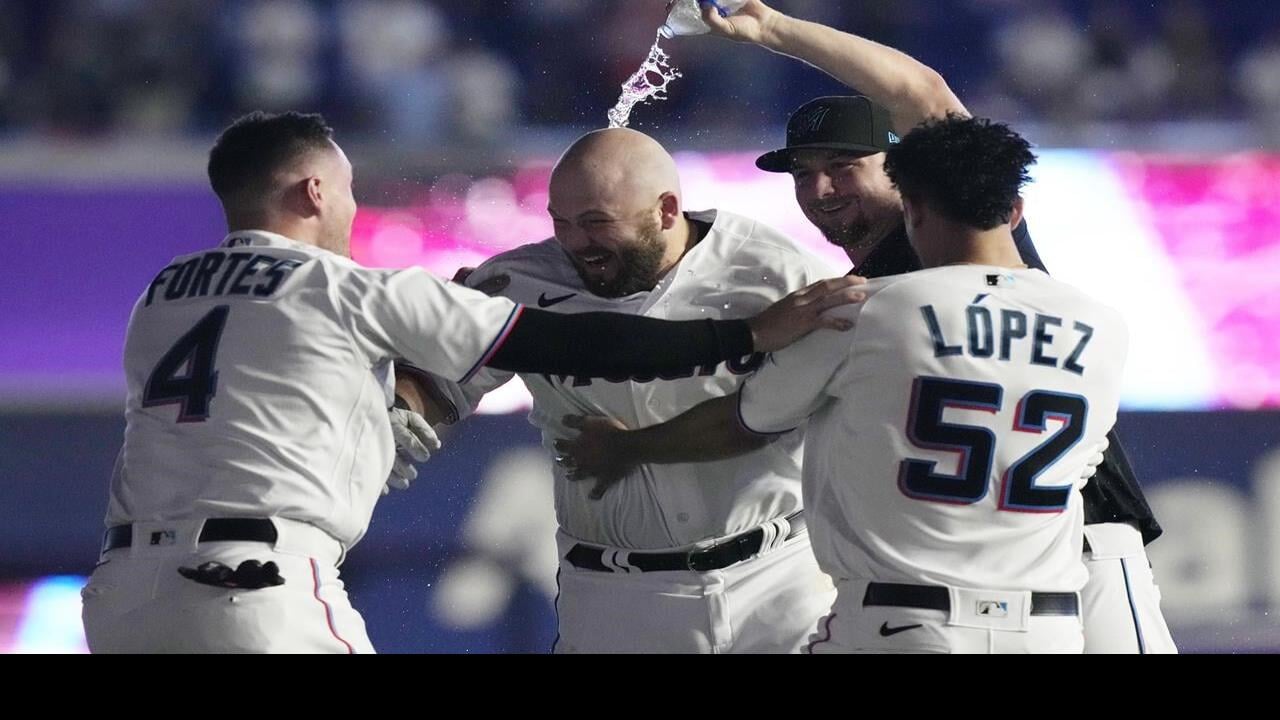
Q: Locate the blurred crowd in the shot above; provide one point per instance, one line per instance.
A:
(467, 72)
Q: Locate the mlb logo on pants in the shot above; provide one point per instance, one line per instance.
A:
(993, 608)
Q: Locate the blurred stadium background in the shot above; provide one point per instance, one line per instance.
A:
(1158, 189)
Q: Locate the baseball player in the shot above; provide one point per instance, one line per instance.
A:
(707, 557)
(260, 375)
(948, 433)
(835, 153)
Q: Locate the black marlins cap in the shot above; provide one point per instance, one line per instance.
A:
(852, 123)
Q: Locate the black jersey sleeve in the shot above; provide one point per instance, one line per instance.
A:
(603, 344)
(1114, 495)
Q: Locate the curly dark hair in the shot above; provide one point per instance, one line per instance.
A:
(968, 169)
(257, 145)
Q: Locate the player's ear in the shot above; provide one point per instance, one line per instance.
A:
(303, 197)
(668, 209)
(313, 194)
(913, 212)
(1015, 217)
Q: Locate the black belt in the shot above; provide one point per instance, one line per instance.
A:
(934, 597)
(718, 556)
(214, 530)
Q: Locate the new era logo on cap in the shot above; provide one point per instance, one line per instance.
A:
(846, 123)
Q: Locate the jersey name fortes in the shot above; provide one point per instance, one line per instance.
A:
(221, 273)
(1011, 335)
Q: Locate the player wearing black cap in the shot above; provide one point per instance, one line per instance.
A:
(835, 153)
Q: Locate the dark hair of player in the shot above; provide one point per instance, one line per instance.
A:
(256, 146)
(968, 169)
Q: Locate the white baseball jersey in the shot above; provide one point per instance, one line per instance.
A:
(738, 269)
(947, 432)
(260, 374)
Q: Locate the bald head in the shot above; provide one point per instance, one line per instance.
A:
(614, 164)
(615, 200)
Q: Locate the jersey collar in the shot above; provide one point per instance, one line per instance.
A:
(263, 238)
(891, 256)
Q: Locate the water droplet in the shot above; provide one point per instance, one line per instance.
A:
(649, 81)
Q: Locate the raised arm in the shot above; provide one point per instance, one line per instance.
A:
(911, 90)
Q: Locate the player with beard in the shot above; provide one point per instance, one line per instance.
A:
(695, 557)
(929, 555)
(259, 422)
(835, 153)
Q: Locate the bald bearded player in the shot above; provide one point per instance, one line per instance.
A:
(695, 557)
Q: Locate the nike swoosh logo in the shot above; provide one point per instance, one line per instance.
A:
(886, 631)
(546, 302)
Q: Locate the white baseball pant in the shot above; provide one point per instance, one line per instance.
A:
(769, 603)
(137, 602)
(1121, 600)
(888, 618)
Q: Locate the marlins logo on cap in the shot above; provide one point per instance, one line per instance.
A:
(848, 123)
(812, 121)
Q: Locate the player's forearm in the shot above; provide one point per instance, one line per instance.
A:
(408, 393)
(419, 392)
(708, 431)
(597, 344)
(912, 91)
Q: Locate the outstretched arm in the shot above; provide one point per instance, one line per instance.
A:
(912, 91)
(607, 451)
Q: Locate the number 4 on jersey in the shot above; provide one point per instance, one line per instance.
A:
(185, 374)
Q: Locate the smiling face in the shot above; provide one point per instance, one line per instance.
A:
(615, 244)
(613, 199)
(847, 197)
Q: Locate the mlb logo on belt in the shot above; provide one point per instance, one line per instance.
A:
(163, 537)
(993, 608)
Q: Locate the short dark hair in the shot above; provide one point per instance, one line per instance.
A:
(255, 146)
(968, 169)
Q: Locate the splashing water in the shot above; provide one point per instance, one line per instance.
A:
(649, 81)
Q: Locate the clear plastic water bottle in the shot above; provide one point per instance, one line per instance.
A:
(685, 17)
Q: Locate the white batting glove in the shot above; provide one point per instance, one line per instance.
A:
(1091, 465)
(415, 441)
